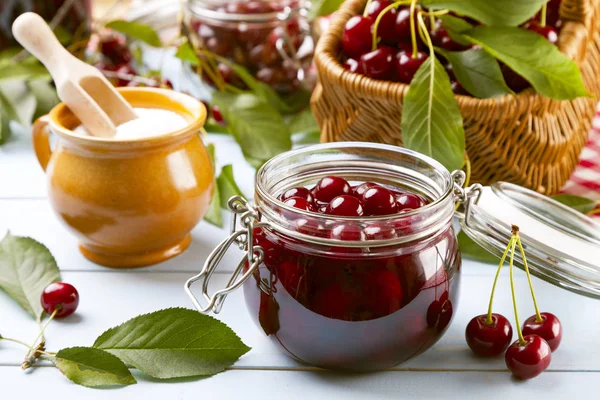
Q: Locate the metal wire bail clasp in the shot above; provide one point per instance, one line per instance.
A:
(243, 238)
(465, 196)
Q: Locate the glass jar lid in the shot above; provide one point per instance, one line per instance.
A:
(562, 245)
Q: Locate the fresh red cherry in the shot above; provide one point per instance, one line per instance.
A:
(382, 292)
(345, 206)
(408, 200)
(528, 360)
(386, 29)
(407, 66)
(347, 232)
(402, 27)
(114, 47)
(353, 66)
(514, 81)
(457, 88)
(217, 116)
(379, 201)
(378, 64)
(329, 187)
(488, 340)
(441, 38)
(359, 190)
(298, 192)
(300, 203)
(357, 39)
(546, 31)
(380, 231)
(549, 329)
(60, 296)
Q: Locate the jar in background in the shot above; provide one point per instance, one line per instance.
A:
(271, 39)
(76, 17)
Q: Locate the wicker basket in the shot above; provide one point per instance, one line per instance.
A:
(525, 138)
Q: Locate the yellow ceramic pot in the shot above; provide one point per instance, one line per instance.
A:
(131, 203)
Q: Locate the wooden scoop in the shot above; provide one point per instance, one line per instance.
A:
(83, 88)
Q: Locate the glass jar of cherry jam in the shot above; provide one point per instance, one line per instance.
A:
(348, 292)
(271, 39)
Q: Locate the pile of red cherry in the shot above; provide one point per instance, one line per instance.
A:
(333, 195)
(394, 59)
(253, 45)
(114, 59)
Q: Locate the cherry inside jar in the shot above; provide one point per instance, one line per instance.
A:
(364, 288)
(270, 39)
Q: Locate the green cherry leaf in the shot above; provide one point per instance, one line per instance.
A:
(227, 186)
(258, 128)
(213, 215)
(92, 367)
(136, 30)
(186, 53)
(23, 71)
(45, 95)
(578, 203)
(174, 343)
(303, 122)
(17, 101)
(26, 268)
(478, 72)
(550, 72)
(474, 251)
(324, 7)
(490, 12)
(454, 26)
(431, 120)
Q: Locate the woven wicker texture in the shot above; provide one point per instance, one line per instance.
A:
(525, 138)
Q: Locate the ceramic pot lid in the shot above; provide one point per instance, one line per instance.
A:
(562, 245)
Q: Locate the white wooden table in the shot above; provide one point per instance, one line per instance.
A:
(109, 297)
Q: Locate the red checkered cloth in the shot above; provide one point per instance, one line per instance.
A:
(585, 180)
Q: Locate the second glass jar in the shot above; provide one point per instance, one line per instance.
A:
(271, 39)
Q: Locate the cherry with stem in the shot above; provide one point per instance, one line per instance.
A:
(490, 335)
(380, 17)
(545, 324)
(530, 355)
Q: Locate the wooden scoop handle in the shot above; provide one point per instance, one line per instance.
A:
(35, 35)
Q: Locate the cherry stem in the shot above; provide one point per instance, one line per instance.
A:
(538, 316)
(431, 19)
(42, 330)
(423, 32)
(413, 33)
(489, 320)
(16, 341)
(543, 15)
(380, 16)
(468, 169)
(594, 212)
(366, 12)
(512, 283)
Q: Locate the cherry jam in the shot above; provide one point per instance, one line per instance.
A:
(343, 286)
(254, 34)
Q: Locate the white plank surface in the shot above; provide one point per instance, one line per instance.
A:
(109, 297)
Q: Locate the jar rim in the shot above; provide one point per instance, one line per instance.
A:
(437, 204)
